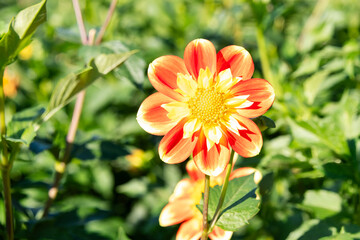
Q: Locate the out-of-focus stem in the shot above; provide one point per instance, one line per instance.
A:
(264, 59)
(106, 23)
(80, 22)
(61, 166)
(5, 173)
(204, 235)
(5, 165)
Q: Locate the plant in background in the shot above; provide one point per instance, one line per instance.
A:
(187, 195)
(203, 107)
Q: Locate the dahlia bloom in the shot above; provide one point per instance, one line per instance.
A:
(204, 104)
(187, 194)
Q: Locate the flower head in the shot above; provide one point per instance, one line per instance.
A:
(204, 104)
(187, 194)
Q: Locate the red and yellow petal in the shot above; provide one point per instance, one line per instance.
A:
(190, 230)
(174, 148)
(152, 117)
(260, 92)
(177, 212)
(162, 73)
(199, 54)
(249, 141)
(213, 161)
(238, 59)
(220, 234)
(182, 190)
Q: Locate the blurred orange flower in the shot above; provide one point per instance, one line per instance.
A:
(204, 105)
(10, 83)
(138, 158)
(27, 52)
(187, 194)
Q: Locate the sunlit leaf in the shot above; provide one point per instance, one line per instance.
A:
(322, 203)
(20, 31)
(71, 85)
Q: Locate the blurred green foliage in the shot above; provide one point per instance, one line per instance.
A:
(116, 185)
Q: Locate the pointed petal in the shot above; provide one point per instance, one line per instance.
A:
(190, 230)
(176, 212)
(225, 80)
(193, 171)
(191, 127)
(206, 78)
(238, 101)
(200, 54)
(211, 162)
(237, 59)
(183, 189)
(152, 117)
(220, 234)
(187, 85)
(173, 148)
(213, 133)
(176, 110)
(162, 73)
(260, 92)
(249, 141)
(233, 125)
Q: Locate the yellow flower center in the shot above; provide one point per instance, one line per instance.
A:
(208, 106)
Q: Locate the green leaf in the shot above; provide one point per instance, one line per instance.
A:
(20, 31)
(264, 122)
(313, 84)
(22, 127)
(240, 203)
(322, 203)
(71, 85)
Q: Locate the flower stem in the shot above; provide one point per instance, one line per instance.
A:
(106, 23)
(80, 22)
(223, 192)
(204, 235)
(5, 172)
(61, 166)
(5, 165)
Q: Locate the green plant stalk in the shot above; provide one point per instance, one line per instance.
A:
(205, 234)
(264, 59)
(5, 166)
(5, 172)
(223, 193)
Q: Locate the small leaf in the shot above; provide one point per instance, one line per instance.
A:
(22, 127)
(71, 85)
(20, 31)
(108, 62)
(264, 122)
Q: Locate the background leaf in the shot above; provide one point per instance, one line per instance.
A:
(20, 31)
(71, 85)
